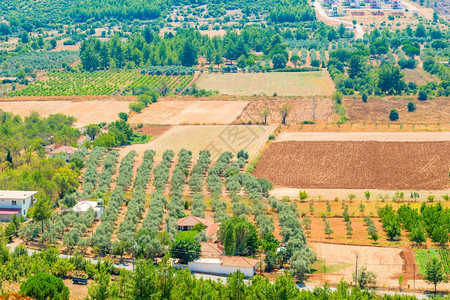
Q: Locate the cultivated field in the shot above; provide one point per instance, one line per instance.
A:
(283, 84)
(357, 165)
(300, 110)
(377, 110)
(190, 112)
(216, 139)
(86, 112)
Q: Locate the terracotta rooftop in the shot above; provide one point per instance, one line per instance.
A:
(64, 149)
(211, 250)
(238, 261)
(192, 221)
(212, 229)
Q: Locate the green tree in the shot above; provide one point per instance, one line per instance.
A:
(393, 115)
(294, 59)
(422, 96)
(185, 247)
(365, 277)
(356, 66)
(390, 79)
(279, 61)
(188, 54)
(92, 130)
(106, 140)
(239, 237)
(411, 106)
(434, 272)
(42, 210)
(44, 286)
(100, 289)
(284, 110)
(265, 113)
(67, 181)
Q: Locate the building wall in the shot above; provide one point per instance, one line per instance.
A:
(216, 268)
(24, 205)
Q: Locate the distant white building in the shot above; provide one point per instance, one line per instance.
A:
(15, 203)
(375, 3)
(84, 205)
(224, 265)
(396, 4)
(355, 3)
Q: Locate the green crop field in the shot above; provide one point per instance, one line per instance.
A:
(423, 256)
(99, 83)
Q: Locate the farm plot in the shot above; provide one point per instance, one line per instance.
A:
(216, 139)
(357, 165)
(386, 263)
(176, 83)
(86, 112)
(283, 84)
(190, 112)
(300, 110)
(377, 110)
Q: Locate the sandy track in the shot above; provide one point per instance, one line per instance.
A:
(192, 112)
(86, 112)
(357, 165)
(364, 136)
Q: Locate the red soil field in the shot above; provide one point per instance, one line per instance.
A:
(357, 165)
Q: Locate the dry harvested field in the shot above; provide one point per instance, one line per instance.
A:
(357, 165)
(86, 112)
(419, 76)
(377, 110)
(283, 84)
(216, 139)
(364, 136)
(367, 127)
(190, 112)
(301, 110)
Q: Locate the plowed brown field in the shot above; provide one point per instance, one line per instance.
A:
(301, 110)
(357, 164)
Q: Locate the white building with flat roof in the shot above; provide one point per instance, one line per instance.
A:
(15, 203)
(84, 205)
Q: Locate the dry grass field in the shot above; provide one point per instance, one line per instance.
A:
(190, 112)
(301, 109)
(86, 112)
(283, 84)
(216, 139)
(357, 165)
(377, 110)
(419, 76)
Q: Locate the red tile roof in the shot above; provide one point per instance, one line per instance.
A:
(192, 221)
(211, 250)
(64, 149)
(239, 261)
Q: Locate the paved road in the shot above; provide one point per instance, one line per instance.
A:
(319, 9)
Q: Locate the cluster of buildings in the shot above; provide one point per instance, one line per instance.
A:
(337, 6)
(213, 260)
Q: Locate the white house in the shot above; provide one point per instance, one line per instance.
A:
(15, 202)
(224, 265)
(84, 205)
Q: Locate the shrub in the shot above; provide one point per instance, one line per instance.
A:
(393, 115)
(422, 96)
(411, 106)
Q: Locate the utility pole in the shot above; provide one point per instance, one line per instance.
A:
(314, 108)
(356, 271)
(414, 276)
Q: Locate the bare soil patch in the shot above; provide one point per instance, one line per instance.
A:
(300, 110)
(86, 112)
(190, 112)
(153, 130)
(357, 165)
(377, 110)
(386, 263)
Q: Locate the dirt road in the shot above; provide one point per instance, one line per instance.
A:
(359, 34)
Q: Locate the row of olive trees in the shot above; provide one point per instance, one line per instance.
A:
(296, 251)
(198, 171)
(109, 169)
(91, 175)
(136, 206)
(162, 171)
(103, 233)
